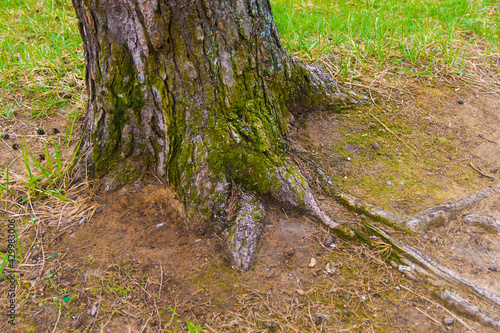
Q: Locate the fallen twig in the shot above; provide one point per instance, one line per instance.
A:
(480, 172)
(481, 136)
(387, 128)
(58, 317)
(429, 316)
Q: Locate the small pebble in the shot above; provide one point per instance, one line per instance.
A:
(330, 269)
(448, 320)
(461, 101)
(301, 292)
(93, 310)
(494, 170)
(375, 145)
(328, 241)
(493, 267)
(433, 239)
(312, 263)
(271, 326)
(372, 125)
(403, 268)
(289, 251)
(320, 317)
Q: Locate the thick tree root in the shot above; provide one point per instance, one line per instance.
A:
(449, 284)
(466, 308)
(430, 217)
(295, 192)
(244, 235)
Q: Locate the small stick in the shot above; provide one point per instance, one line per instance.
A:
(146, 323)
(387, 128)
(481, 136)
(59, 235)
(58, 317)
(428, 316)
(285, 214)
(107, 322)
(480, 172)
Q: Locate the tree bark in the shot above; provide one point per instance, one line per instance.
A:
(204, 93)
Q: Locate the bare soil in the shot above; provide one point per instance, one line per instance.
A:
(139, 266)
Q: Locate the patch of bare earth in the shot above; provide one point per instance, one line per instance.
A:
(137, 260)
(138, 266)
(454, 151)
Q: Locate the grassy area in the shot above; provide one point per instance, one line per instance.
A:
(420, 36)
(41, 58)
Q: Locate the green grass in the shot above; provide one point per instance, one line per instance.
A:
(41, 57)
(45, 179)
(407, 35)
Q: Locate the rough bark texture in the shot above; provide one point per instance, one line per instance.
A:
(203, 92)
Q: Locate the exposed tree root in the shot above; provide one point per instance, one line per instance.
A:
(466, 308)
(442, 213)
(450, 286)
(430, 217)
(487, 222)
(291, 190)
(243, 236)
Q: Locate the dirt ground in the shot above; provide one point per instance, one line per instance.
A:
(138, 266)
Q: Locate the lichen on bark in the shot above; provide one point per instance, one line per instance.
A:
(201, 91)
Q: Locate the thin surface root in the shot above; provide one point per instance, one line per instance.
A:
(487, 222)
(427, 218)
(442, 213)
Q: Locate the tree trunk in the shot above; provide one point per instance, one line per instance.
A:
(204, 93)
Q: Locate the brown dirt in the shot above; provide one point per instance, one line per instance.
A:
(139, 266)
